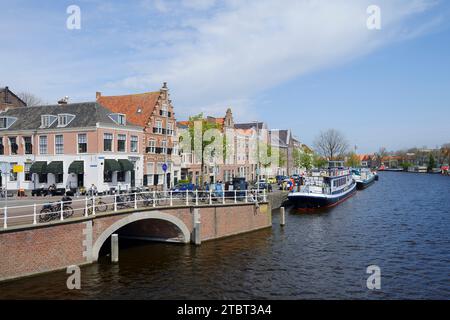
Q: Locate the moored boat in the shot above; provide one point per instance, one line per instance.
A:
(323, 189)
(363, 178)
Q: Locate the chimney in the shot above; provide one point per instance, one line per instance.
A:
(64, 100)
(98, 94)
(6, 95)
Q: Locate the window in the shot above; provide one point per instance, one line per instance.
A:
(150, 173)
(13, 144)
(27, 166)
(118, 118)
(164, 147)
(163, 112)
(42, 144)
(42, 178)
(28, 145)
(107, 176)
(121, 142)
(107, 141)
(170, 129)
(2, 147)
(151, 146)
(158, 128)
(59, 144)
(134, 144)
(64, 119)
(47, 120)
(59, 178)
(12, 175)
(6, 122)
(82, 143)
(121, 176)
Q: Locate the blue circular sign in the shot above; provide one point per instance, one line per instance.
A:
(164, 167)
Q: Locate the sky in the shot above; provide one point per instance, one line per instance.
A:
(304, 65)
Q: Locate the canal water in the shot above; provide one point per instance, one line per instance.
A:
(401, 224)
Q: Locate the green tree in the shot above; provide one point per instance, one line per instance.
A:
(431, 162)
(353, 160)
(194, 136)
(319, 162)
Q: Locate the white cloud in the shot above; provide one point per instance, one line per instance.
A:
(250, 46)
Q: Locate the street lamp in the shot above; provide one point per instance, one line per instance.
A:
(257, 152)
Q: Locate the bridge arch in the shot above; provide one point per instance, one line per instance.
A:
(139, 216)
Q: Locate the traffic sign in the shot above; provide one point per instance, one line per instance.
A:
(164, 167)
(17, 168)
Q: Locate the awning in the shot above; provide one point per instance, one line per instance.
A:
(126, 165)
(55, 167)
(112, 165)
(39, 167)
(77, 167)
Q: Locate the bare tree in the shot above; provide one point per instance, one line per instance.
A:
(331, 144)
(30, 99)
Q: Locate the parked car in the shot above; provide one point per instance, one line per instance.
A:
(281, 178)
(272, 180)
(184, 187)
(262, 186)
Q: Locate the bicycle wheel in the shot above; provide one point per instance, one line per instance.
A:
(45, 215)
(101, 206)
(68, 211)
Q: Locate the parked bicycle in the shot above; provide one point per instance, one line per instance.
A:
(124, 202)
(100, 205)
(52, 211)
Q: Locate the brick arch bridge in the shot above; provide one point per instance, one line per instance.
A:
(143, 233)
(33, 249)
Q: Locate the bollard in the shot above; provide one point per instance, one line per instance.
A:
(5, 217)
(115, 202)
(115, 248)
(154, 198)
(135, 201)
(197, 228)
(246, 196)
(34, 214)
(235, 196)
(85, 206)
(282, 217)
(210, 196)
(171, 198)
(187, 197)
(62, 210)
(264, 196)
(93, 205)
(196, 197)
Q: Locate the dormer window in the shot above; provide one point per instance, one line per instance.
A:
(64, 119)
(6, 122)
(118, 118)
(47, 120)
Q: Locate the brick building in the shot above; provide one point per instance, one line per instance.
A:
(154, 112)
(9, 99)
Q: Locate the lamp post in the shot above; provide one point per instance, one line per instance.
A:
(257, 152)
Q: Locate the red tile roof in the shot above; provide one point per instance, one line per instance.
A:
(130, 104)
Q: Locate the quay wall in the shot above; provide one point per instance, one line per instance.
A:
(33, 249)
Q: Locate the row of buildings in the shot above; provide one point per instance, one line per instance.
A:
(123, 142)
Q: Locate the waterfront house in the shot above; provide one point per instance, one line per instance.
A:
(70, 145)
(154, 112)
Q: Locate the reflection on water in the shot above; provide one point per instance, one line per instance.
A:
(401, 223)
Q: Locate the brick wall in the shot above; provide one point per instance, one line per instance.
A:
(32, 250)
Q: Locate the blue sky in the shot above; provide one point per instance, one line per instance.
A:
(306, 65)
